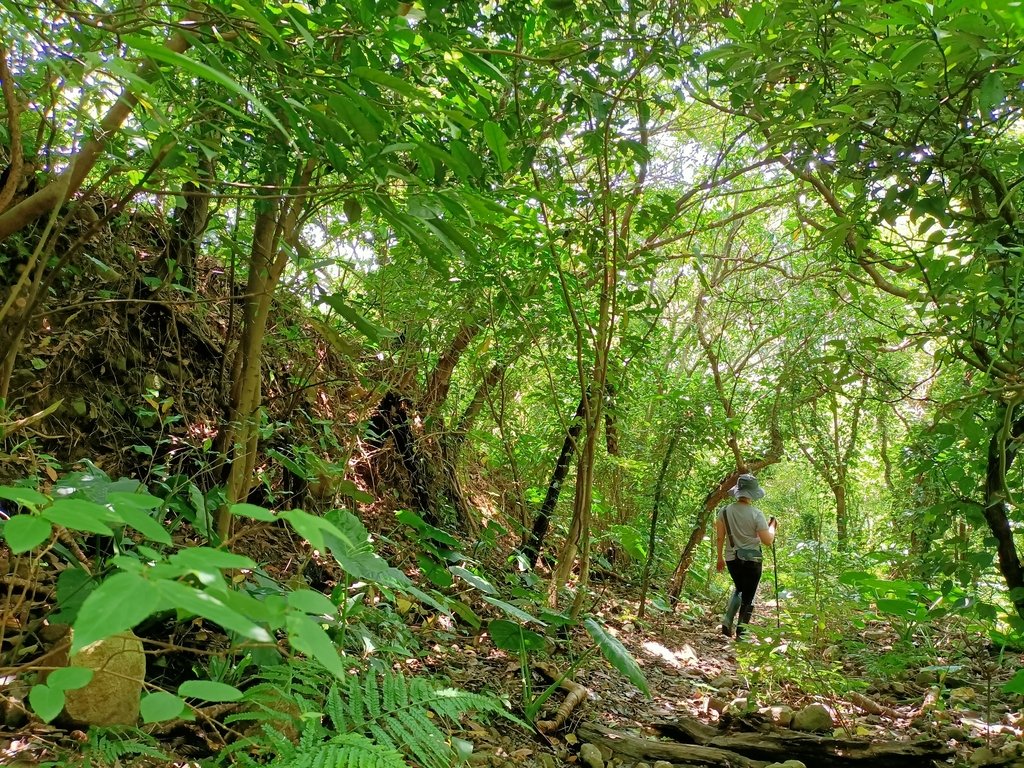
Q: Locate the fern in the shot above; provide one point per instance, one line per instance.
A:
(371, 720)
(396, 711)
(111, 746)
(345, 750)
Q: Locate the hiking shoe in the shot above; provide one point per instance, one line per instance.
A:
(726, 631)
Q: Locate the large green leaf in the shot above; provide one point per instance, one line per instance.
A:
(617, 655)
(497, 142)
(79, 515)
(46, 702)
(119, 603)
(391, 83)
(513, 610)
(309, 638)
(70, 678)
(24, 496)
(206, 604)
(510, 636)
(480, 583)
(209, 690)
(26, 532)
(369, 329)
(161, 705)
(140, 519)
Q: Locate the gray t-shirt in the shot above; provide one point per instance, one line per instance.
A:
(745, 520)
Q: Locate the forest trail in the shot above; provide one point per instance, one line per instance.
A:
(718, 701)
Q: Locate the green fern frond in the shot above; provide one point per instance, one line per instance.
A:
(116, 746)
(395, 714)
(346, 750)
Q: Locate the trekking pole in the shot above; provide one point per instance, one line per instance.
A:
(775, 567)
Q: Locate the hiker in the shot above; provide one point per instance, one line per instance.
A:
(742, 530)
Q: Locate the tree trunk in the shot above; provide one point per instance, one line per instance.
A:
(393, 419)
(483, 392)
(659, 488)
(61, 188)
(541, 523)
(266, 264)
(440, 379)
(1002, 450)
(842, 534)
(190, 223)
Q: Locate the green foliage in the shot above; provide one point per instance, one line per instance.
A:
(400, 715)
(345, 750)
(110, 747)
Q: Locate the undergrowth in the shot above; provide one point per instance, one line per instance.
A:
(368, 720)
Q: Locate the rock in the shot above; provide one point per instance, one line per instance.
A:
(982, 756)
(723, 683)
(14, 713)
(926, 678)
(738, 705)
(787, 764)
(112, 696)
(963, 694)
(662, 764)
(717, 704)
(781, 715)
(813, 717)
(606, 752)
(590, 756)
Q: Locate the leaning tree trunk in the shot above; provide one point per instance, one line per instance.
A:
(541, 523)
(1002, 450)
(63, 186)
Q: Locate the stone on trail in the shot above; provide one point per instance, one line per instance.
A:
(926, 678)
(781, 715)
(982, 756)
(723, 683)
(112, 696)
(590, 756)
(813, 717)
(718, 705)
(962, 694)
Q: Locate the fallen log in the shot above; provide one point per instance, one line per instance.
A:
(785, 744)
(685, 755)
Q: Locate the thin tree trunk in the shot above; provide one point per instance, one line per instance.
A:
(483, 392)
(392, 419)
(533, 544)
(842, 534)
(266, 265)
(65, 185)
(659, 488)
(190, 223)
(1002, 450)
(440, 380)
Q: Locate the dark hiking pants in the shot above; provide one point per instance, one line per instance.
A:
(746, 575)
